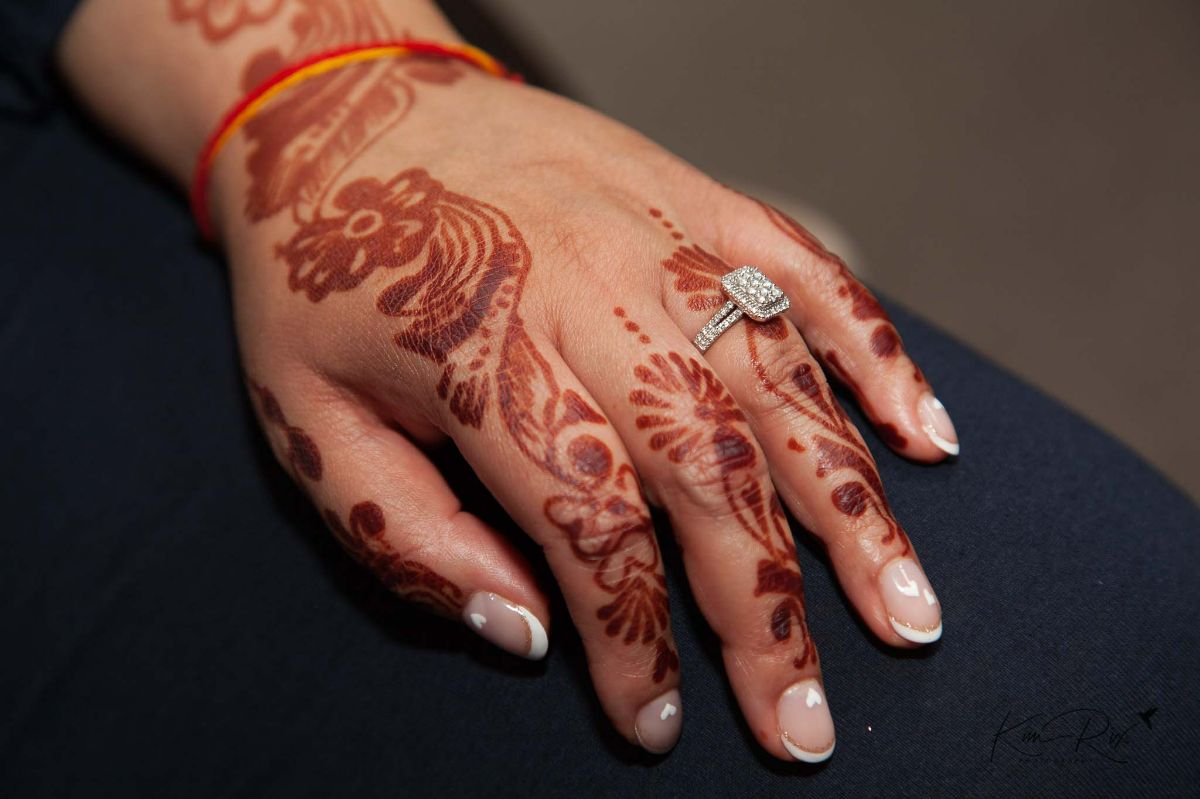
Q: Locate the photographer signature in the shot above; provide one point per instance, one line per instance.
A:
(1075, 735)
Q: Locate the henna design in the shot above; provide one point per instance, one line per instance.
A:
(455, 270)
(689, 414)
(363, 537)
(302, 451)
(219, 19)
(668, 224)
(840, 447)
(299, 144)
(886, 430)
(697, 276)
(854, 498)
(601, 510)
(614, 533)
(461, 266)
(885, 341)
(863, 303)
(459, 261)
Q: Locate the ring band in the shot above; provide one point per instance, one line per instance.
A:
(751, 294)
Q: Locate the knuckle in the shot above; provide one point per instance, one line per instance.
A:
(606, 530)
(716, 465)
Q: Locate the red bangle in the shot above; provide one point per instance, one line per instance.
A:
(314, 65)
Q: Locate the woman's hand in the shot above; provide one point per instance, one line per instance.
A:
(420, 252)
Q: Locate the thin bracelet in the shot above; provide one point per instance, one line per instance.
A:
(245, 109)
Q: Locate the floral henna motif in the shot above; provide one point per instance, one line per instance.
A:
(455, 269)
(363, 537)
(456, 266)
(302, 452)
(689, 414)
(461, 264)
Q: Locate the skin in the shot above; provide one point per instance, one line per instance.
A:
(420, 252)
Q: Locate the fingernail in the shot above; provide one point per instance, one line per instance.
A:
(911, 604)
(937, 425)
(805, 726)
(506, 624)
(659, 723)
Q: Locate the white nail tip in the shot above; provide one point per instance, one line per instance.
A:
(917, 636)
(803, 756)
(948, 447)
(933, 419)
(538, 642)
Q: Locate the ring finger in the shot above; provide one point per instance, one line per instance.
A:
(821, 466)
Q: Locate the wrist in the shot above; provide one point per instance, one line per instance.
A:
(331, 107)
(162, 74)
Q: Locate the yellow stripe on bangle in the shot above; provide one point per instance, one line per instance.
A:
(245, 109)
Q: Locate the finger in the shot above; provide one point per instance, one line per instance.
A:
(827, 476)
(390, 508)
(841, 321)
(693, 447)
(558, 467)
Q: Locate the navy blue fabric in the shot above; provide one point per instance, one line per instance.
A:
(174, 620)
(28, 32)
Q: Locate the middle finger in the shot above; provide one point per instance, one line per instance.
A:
(693, 447)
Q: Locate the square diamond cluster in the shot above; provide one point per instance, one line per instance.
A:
(754, 293)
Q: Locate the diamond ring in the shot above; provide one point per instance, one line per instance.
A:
(752, 294)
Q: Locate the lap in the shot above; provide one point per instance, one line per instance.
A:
(177, 620)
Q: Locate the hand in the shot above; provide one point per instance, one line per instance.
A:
(422, 252)
(500, 266)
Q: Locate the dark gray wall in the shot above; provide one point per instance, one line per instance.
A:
(1025, 174)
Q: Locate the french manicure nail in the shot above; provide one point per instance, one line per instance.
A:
(805, 725)
(506, 624)
(937, 425)
(911, 605)
(659, 723)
